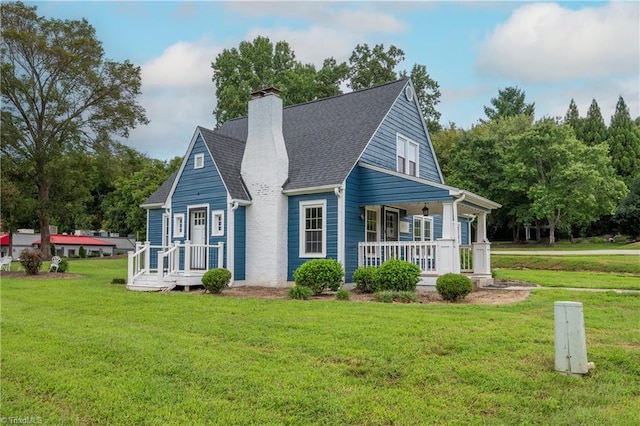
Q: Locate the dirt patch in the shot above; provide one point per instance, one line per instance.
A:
(40, 276)
(494, 296)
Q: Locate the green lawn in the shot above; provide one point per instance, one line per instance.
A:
(572, 279)
(563, 245)
(618, 264)
(82, 351)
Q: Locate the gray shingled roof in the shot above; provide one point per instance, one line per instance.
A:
(324, 139)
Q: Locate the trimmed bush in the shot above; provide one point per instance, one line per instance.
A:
(53, 249)
(118, 281)
(319, 274)
(453, 287)
(365, 279)
(82, 252)
(63, 266)
(299, 292)
(397, 275)
(31, 261)
(215, 280)
(343, 294)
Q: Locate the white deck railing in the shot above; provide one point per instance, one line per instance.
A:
(422, 253)
(178, 258)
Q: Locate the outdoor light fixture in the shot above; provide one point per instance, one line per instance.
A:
(425, 210)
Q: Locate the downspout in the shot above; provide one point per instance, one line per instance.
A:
(231, 234)
(473, 218)
(455, 214)
(339, 191)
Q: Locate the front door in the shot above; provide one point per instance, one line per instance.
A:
(391, 225)
(198, 235)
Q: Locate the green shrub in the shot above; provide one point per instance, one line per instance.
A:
(63, 266)
(52, 247)
(397, 275)
(216, 280)
(365, 279)
(299, 292)
(389, 296)
(453, 287)
(82, 252)
(343, 294)
(118, 281)
(319, 274)
(31, 261)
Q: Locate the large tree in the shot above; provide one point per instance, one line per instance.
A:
(624, 143)
(628, 211)
(59, 94)
(572, 117)
(509, 103)
(370, 67)
(237, 72)
(567, 182)
(592, 130)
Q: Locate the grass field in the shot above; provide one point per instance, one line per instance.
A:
(82, 351)
(616, 264)
(564, 245)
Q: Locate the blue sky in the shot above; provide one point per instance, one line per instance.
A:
(554, 51)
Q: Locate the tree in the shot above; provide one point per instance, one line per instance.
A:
(509, 102)
(258, 64)
(370, 67)
(572, 117)
(592, 129)
(59, 94)
(624, 143)
(567, 182)
(628, 211)
(122, 212)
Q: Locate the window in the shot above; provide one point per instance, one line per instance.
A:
(217, 223)
(407, 153)
(178, 225)
(313, 232)
(422, 228)
(198, 161)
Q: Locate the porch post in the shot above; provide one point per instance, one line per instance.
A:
(482, 248)
(447, 252)
(147, 256)
(187, 257)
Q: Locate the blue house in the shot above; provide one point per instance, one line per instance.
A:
(353, 177)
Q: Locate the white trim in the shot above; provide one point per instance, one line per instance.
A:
(375, 209)
(198, 160)
(341, 194)
(303, 205)
(423, 219)
(166, 221)
(397, 212)
(152, 205)
(188, 227)
(409, 93)
(215, 230)
(231, 235)
(178, 231)
(311, 190)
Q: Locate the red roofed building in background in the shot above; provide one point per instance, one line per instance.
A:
(5, 242)
(69, 245)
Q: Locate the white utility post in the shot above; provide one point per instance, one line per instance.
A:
(570, 339)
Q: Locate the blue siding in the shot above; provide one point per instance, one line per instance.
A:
(378, 188)
(294, 259)
(200, 187)
(437, 226)
(154, 232)
(239, 252)
(404, 118)
(464, 226)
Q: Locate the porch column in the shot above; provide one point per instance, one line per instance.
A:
(447, 252)
(187, 257)
(482, 248)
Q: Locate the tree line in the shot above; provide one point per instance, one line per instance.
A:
(64, 105)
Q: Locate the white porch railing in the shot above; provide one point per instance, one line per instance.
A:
(466, 259)
(422, 253)
(176, 259)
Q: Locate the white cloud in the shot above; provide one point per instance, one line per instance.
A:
(544, 42)
(182, 64)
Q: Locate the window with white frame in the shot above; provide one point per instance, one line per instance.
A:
(217, 223)
(313, 231)
(178, 225)
(422, 228)
(407, 152)
(198, 161)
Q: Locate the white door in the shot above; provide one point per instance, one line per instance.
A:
(166, 232)
(198, 235)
